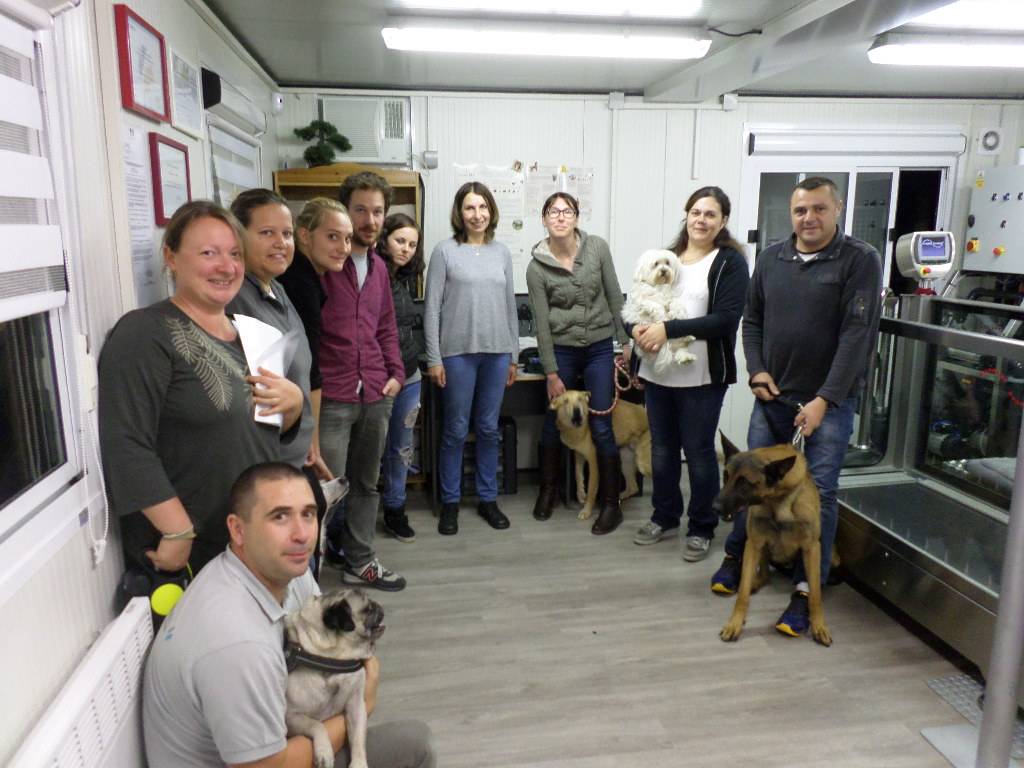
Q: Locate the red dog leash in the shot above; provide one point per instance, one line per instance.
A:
(621, 374)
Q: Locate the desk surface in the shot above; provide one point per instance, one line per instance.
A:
(523, 376)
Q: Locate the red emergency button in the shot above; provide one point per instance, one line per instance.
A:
(926, 271)
(998, 250)
(972, 244)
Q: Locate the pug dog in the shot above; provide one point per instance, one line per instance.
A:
(652, 299)
(339, 626)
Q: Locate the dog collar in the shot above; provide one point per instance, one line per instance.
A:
(295, 656)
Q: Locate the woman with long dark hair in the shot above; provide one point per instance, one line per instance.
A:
(684, 401)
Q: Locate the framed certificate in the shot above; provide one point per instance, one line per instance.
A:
(171, 186)
(142, 62)
(186, 96)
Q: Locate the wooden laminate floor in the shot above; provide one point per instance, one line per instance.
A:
(545, 646)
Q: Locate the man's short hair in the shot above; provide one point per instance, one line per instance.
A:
(817, 182)
(243, 492)
(366, 180)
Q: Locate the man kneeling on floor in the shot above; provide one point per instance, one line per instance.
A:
(214, 687)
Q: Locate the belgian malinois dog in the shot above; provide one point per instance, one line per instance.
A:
(783, 517)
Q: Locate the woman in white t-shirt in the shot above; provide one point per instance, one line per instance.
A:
(684, 401)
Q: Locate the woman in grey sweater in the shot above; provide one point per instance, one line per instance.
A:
(472, 338)
(576, 306)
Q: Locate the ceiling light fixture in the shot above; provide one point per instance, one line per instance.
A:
(936, 50)
(1001, 15)
(635, 9)
(574, 41)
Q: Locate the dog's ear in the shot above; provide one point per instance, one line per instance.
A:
(776, 470)
(728, 449)
(339, 617)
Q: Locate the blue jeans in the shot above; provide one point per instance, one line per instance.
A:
(398, 447)
(475, 384)
(772, 423)
(684, 417)
(595, 365)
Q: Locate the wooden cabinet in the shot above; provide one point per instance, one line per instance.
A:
(300, 184)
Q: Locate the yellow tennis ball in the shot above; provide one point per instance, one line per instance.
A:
(164, 597)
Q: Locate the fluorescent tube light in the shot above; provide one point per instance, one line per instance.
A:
(636, 9)
(544, 42)
(948, 50)
(1002, 15)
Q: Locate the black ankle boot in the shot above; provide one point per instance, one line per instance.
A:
(495, 518)
(610, 470)
(397, 524)
(448, 524)
(550, 481)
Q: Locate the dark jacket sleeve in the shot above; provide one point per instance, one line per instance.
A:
(306, 301)
(387, 328)
(862, 300)
(723, 318)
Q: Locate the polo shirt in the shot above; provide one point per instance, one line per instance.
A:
(214, 684)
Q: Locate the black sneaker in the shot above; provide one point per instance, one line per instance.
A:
(495, 518)
(796, 618)
(727, 578)
(397, 524)
(448, 523)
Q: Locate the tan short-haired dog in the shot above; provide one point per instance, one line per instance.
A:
(783, 519)
(632, 436)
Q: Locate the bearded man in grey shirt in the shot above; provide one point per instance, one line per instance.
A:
(214, 685)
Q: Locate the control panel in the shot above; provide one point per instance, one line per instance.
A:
(994, 241)
(925, 256)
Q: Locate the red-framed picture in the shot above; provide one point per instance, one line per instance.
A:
(171, 186)
(142, 61)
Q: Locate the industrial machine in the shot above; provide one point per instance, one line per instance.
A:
(925, 497)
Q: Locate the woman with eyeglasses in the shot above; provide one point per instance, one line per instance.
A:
(576, 309)
(472, 337)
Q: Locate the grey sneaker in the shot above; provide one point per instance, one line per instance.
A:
(696, 548)
(373, 575)
(651, 533)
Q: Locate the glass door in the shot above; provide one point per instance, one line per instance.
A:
(775, 189)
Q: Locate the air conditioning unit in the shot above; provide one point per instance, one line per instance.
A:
(231, 105)
(378, 127)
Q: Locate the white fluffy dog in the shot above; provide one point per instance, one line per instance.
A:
(653, 299)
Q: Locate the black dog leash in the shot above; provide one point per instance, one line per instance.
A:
(295, 656)
(795, 405)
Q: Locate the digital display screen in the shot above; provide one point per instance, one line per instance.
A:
(933, 250)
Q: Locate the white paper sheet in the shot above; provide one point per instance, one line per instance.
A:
(265, 347)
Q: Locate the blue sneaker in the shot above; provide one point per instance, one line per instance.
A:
(727, 578)
(796, 618)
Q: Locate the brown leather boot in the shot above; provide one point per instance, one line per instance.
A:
(610, 517)
(550, 481)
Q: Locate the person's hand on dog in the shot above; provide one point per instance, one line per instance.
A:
(810, 416)
(761, 393)
(556, 386)
(171, 554)
(513, 371)
(652, 337)
(372, 667)
(436, 374)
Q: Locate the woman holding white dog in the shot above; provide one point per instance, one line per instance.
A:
(576, 305)
(684, 399)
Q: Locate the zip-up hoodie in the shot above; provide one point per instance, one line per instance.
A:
(577, 308)
(727, 290)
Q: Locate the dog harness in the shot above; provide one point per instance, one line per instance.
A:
(295, 656)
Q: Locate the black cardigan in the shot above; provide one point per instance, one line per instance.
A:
(727, 291)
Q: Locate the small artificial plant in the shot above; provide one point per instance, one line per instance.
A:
(327, 141)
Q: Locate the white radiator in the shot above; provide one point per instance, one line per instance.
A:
(96, 719)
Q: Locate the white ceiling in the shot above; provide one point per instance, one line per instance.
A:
(806, 47)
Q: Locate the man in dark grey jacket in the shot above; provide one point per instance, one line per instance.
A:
(810, 324)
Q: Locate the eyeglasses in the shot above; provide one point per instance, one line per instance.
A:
(561, 213)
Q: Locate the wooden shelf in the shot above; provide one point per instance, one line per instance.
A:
(324, 181)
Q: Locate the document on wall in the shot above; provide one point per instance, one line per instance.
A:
(506, 184)
(147, 265)
(545, 180)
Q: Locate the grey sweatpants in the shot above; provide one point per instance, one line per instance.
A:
(402, 744)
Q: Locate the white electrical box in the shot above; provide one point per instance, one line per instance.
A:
(994, 241)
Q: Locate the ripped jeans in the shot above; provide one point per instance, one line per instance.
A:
(398, 449)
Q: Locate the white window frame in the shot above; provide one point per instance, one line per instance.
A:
(35, 524)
